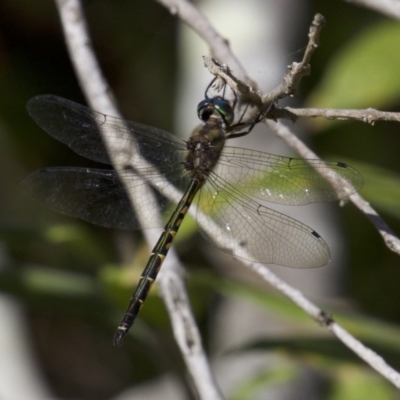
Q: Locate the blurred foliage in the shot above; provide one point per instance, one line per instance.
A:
(73, 279)
(383, 188)
(354, 78)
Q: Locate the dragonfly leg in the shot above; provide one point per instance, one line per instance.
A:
(249, 125)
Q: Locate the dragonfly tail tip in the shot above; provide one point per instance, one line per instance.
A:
(119, 337)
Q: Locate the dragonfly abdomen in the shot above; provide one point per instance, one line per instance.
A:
(155, 262)
(204, 149)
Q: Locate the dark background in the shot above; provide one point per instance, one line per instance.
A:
(66, 274)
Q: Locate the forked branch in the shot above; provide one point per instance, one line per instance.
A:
(287, 88)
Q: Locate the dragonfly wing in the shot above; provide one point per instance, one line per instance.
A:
(78, 127)
(286, 180)
(94, 195)
(256, 232)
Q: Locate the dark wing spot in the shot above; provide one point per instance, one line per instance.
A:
(316, 234)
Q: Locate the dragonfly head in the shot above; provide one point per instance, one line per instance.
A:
(216, 106)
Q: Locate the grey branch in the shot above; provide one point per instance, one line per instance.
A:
(296, 71)
(219, 46)
(288, 87)
(290, 82)
(99, 97)
(369, 115)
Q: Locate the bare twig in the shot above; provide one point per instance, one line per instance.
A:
(297, 71)
(369, 115)
(98, 94)
(219, 46)
(366, 354)
(369, 356)
(223, 72)
(391, 8)
(290, 82)
(391, 240)
(288, 87)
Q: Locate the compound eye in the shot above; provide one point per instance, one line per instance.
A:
(224, 110)
(205, 109)
(216, 106)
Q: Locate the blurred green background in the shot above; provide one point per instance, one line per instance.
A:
(73, 279)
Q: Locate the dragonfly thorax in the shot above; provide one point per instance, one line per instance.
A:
(204, 148)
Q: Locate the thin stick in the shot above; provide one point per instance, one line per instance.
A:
(297, 71)
(288, 87)
(368, 115)
(219, 46)
(322, 318)
(98, 94)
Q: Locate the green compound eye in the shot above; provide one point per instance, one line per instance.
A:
(225, 110)
(207, 107)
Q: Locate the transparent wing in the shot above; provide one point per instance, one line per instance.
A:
(286, 180)
(94, 195)
(97, 195)
(77, 127)
(258, 233)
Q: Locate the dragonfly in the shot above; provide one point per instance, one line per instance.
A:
(226, 183)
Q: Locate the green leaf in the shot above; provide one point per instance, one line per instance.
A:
(260, 382)
(74, 236)
(56, 282)
(365, 73)
(356, 384)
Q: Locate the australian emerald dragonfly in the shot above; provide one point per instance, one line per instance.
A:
(222, 180)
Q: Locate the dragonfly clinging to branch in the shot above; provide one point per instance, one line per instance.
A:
(223, 181)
